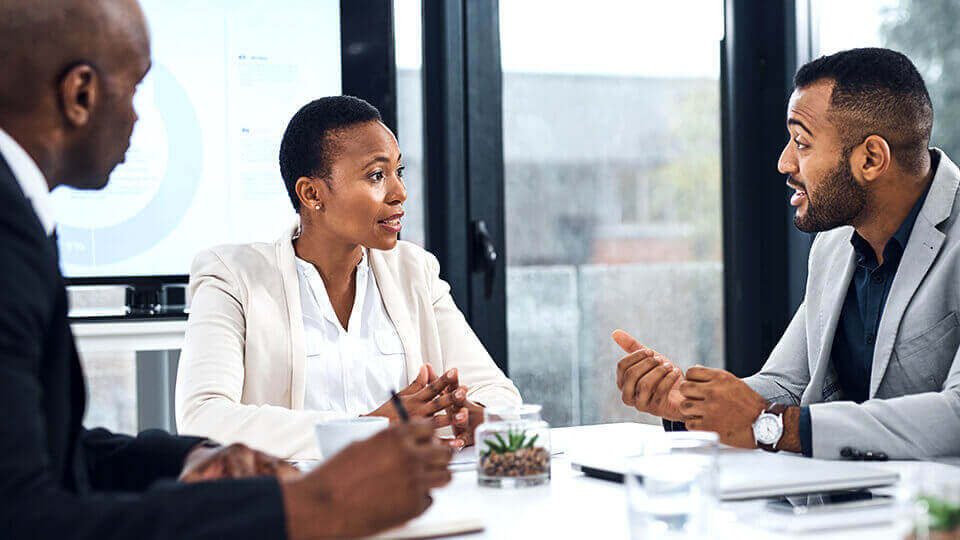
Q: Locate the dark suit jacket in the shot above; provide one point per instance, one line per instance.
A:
(59, 480)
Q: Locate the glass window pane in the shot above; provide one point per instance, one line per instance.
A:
(408, 19)
(612, 163)
(925, 31)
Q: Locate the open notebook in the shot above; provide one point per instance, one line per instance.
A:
(432, 526)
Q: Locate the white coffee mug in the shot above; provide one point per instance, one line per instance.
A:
(335, 434)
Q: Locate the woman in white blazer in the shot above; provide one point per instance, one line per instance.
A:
(330, 318)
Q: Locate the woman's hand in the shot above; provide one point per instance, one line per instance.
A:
(464, 416)
(423, 398)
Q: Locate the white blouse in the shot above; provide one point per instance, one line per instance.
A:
(351, 370)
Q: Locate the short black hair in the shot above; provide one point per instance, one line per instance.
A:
(306, 148)
(876, 91)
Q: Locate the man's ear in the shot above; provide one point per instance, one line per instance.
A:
(79, 92)
(310, 194)
(876, 157)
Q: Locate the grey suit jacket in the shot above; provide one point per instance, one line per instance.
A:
(914, 405)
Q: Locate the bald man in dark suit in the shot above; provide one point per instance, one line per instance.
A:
(69, 71)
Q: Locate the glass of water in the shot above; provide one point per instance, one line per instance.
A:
(672, 485)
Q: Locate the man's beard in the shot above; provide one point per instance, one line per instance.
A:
(838, 201)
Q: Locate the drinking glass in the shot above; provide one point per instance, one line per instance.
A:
(672, 485)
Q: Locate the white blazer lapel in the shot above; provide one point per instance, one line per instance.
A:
(398, 312)
(286, 258)
(922, 249)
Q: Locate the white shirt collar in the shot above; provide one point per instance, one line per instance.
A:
(321, 300)
(30, 178)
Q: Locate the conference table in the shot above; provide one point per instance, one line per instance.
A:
(576, 506)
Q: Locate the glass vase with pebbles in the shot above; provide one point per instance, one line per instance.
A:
(514, 447)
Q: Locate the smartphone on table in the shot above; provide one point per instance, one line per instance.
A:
(831, 501)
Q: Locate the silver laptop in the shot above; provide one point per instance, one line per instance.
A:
(753, 474)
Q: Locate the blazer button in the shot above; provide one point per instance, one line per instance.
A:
(870, 338)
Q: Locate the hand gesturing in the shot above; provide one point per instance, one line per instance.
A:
(648, 381)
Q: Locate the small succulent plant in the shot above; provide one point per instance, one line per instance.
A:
(513, 442)
(944, 516)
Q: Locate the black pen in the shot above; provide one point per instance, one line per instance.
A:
(848, 452)
(399, 405)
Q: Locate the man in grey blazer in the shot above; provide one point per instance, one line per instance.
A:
(869, 361)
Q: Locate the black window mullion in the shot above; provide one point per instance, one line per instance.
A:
(764, 255)
(368, 65)
(445, 144)
(464, 159)
(484, 104)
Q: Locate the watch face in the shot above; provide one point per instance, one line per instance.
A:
(767, 429)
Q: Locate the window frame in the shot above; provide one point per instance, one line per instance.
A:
(764, 267)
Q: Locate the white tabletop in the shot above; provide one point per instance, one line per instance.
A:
(576, 506)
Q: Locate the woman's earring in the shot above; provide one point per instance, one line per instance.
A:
(317, 207)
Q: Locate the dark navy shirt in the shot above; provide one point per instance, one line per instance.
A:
(856, 334)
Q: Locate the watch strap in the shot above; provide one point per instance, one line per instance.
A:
(777, 409)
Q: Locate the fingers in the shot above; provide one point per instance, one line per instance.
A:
(431, 374)
(456, 443)
(202, 473)
(694, 390)
(458, 396)
(441, 420)
(265, 465)
(418, 431)
(660, 393)
(286, 471)
(434, 388)
(702, 374)
(633, 374)
(461, 418)
(425, 502)
(458, 417)
(423, 378)
(239, 461)
(435, 455)
(437, 478)
(433, 462)
(629, 361)
(437, 404)
(453, 377)
(693, 410)
(648, 384)
(626, 341)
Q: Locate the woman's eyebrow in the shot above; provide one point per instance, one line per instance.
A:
(380, 158)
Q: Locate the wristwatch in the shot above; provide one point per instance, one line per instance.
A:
(768, 427)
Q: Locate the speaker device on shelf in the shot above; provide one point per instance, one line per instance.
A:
(142, 299)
